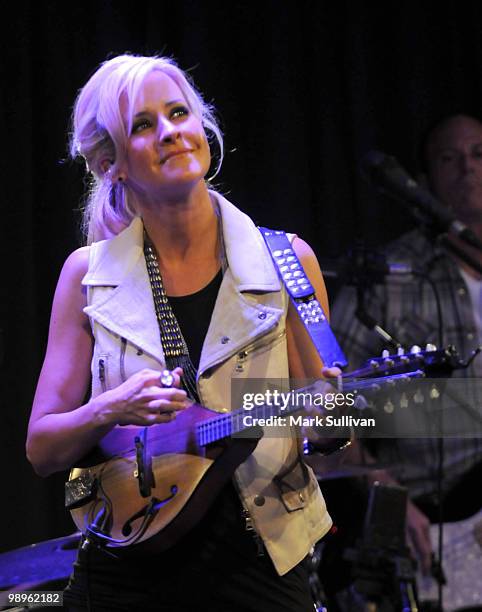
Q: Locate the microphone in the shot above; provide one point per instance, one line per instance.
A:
(388, 176)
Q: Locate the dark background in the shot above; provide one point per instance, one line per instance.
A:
(303, 90)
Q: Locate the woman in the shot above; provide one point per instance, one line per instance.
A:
(156, 230)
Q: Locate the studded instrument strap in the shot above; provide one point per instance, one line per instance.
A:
(303, 297)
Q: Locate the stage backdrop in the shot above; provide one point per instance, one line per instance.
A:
(303, 90)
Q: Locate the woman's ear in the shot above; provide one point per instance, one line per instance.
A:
(106, 166)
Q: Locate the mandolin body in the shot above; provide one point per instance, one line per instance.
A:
(185, 479)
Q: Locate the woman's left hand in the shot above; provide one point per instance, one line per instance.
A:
(332, 372)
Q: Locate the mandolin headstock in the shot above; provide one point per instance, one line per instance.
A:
(432, 361)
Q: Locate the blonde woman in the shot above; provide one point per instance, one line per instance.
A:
(162, 245)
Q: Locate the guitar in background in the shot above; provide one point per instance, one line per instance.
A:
(462, 565)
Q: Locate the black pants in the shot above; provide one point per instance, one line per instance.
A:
(215, 567)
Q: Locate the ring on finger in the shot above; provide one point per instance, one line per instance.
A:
(170, 414)
(166, 379)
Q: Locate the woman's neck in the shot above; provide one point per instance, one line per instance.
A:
(181, 228)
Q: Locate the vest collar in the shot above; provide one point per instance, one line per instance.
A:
(128, 310)
(116, 259)
(246, 252)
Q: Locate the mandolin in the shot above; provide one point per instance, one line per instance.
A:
(145, 487)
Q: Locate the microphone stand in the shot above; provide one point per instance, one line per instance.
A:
(363, 268)
(368, 321)
(382, 568)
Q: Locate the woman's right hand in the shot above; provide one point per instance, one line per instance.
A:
(142, 400)
(62, 429)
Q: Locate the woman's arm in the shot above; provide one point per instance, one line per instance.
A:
(304, 360)
(62, 429)
(306, 363)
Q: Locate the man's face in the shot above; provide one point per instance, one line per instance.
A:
(455, 167)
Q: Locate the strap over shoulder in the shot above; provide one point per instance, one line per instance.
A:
(303, 296)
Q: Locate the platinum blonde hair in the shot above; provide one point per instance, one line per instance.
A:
(99, 135)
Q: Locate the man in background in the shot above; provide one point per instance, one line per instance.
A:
(407, 309)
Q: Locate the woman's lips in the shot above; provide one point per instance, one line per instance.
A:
(175, 153)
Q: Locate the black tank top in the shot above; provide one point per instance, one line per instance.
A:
(218, 558)
(193, 313)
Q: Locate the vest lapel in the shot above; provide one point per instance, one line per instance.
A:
(238, 318)
(249, 302)
(123, 299)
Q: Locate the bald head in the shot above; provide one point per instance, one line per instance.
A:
(454, 160)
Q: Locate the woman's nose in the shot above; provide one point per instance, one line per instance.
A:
(168, 131)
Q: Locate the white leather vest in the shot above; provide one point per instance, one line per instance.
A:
(246, 338)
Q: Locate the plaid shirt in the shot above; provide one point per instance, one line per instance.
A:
(406, 307)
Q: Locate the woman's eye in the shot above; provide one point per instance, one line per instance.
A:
(140, 125)
(179, 111)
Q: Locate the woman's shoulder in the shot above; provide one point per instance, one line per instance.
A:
(303, 250)
(77, 264)
(69, 296)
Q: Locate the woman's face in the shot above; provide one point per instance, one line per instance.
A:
(167, 149)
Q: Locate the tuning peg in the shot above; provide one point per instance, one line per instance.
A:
(400, 351)
(388, 407)
(434, 393)
(374, 364)
(418, 397)
(385, 353)
(415, 349)
(403, 401)
(430, 347)
(360, 402)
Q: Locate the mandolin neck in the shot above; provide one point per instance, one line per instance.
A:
(282, 404)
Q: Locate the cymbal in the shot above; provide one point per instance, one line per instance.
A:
(39, 563)
(326, 468)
